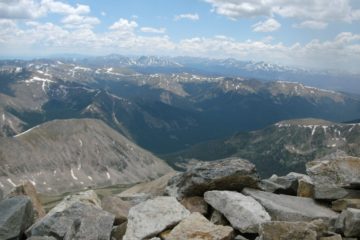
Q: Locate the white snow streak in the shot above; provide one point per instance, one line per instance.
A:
(108, 175)
(11, 182)
(90, 178)
(73, 175)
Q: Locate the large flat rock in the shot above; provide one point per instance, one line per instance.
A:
(244, 213)
(16, 215)
(149, 218)
(291, 208)
(226, 174)
(196, 226)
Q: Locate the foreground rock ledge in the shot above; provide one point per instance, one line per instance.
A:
(226, 174)
(149, 218)
(243, 212)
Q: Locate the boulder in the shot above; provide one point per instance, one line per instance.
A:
(16, 215)
(118, 232)
(291, 208)
(286, 184)
(153, 188)
(226, 174)
(349, 222)
(335, 178)
(78, 221)
(196, 226)
(305, 188)
(195, 204)
(218, 218)
(135, 198)
(149, 218)
(117, 207)
(343, 204)
(28, 189)
(280, 230)
(244, 213)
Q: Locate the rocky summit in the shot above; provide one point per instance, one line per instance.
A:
(221, 200)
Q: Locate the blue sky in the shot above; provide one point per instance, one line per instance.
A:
(309, 33)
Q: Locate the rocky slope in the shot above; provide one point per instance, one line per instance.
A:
(66, 155)
(232, 204)
(280, 148)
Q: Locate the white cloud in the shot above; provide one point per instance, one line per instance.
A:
(189, 16)
(312, 24)
(316, 10)
(78, 21)
(29, 9)
(269, 25)
(124, 25)
(152, 30)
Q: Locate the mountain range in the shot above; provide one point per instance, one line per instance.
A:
(279, 148)
(178, 109)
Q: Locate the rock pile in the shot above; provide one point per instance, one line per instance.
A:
(220, 200)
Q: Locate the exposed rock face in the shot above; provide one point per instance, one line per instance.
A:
(291, 208)
(195, 204)
(286, 184)
(149, 218)
(117, 207)
(226, 174)
(118, 232)
(289, 230)
(16, 215)
(79, 221)
(335, 178)
(305, 188)
(29, 190)
(243, 212)
(218, 218)
(196, 226)
(349, 222)
(67, 155)
(342, 204)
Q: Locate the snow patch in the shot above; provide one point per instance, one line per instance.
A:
(108, 175)
(25, 131)
(73, 175)
(90, 178)
(33, 182)
(11, 182)
(81, 143)
(1, 185)
(3, 117)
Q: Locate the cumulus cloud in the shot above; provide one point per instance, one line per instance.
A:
(78, 21)
(306, 10)
(269, 25)
(188, 16)
(152, 30)
(30, 9)
(123, 25)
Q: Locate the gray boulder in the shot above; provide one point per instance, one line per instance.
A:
(285, 184)
(150, 218)
(79, 221)
(116, 206)
(226, 174)
(244, 213)
(349, 222)
(343, 204)
(335, 178)
(291, 230)
(16, 215)
(291, 208)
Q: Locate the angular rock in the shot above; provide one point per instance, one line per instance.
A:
(343, 204)
(218, 218)
(280, 230)
(244, 213)
(195, 204)
(196, 226)
(286, 184)
(117, 207)
(291, 208)
(226, 174)
(118, 232)
(335, 178)
(153, 188)
(16, 215)
(149, 218)
(28, 189)
(78, 221)
(305, 188)
(135, 198)
(349, 222)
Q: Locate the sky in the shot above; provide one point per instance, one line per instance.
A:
(322, 34)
